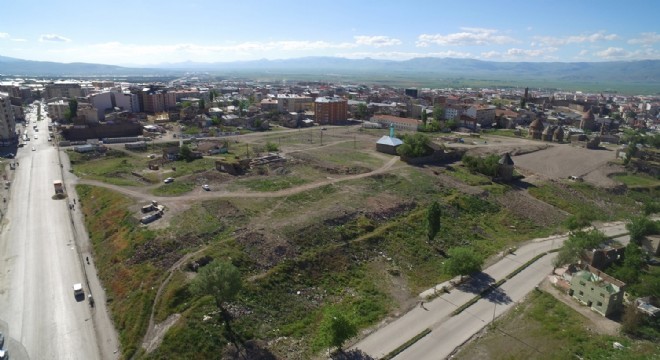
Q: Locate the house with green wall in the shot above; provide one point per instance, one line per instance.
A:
(599, 291)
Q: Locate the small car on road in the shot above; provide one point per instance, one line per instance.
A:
(168, 180)
(206, 187)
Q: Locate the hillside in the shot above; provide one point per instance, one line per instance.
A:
(624, 76)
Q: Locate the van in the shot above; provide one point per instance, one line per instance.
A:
(78, 290)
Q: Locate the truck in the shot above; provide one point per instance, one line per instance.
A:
(59, 188)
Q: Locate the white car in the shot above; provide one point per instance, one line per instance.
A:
(168, 180)
(36, 136)
(78, 289)
(33, 149)
(206, 187)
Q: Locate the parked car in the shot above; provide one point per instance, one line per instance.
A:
(168, 180)
(206, 187)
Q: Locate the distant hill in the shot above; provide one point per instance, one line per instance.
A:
(645, 73)
(19, 67)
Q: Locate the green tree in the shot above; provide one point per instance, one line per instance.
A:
(438, 113)
(463, 261)
(215, 121)
(362, 111)
(451, 124)
(186, 153)
(631, 320)
(433, 220)
(73, 108)
(186, 104)
(219, 279)
(487, 165)
(272, 147)
(202, 105)
(336, 328)
(640, 226)
(425, 117)
(634, 261)
(414, 146)
(577, 242)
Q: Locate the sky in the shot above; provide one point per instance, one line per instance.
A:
(147, 32)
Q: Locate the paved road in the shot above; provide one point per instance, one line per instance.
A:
(436, 314)
(41, 263)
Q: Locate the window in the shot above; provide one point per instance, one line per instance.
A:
(599, 304)
(582, 283)
(581, 293)
(602, 295)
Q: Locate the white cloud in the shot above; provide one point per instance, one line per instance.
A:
(576, 39)
(616, 53)
(117, 53)
(399, 55)
(376, 41)
(583, 52)
(53, 38)
(515, 53)
(4, 35)
(469, 36)
(646, 39)
(17, 40)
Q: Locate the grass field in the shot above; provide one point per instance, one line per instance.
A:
(541, 327)
(359, 245)
(637, 180)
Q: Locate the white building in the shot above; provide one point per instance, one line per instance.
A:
(57, 109)
(127, 101)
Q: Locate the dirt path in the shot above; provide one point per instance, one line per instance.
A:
(140, 195)
(155, 332)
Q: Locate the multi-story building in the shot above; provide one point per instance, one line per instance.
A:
(102, 101)
(57, 109)
(455, 111)
(599, 291)
(330, 110)
(294, 103)
(158, 101)
(63, 90)
(127, 102)
(485, 114)
(7, 121)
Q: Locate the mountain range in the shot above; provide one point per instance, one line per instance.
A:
(645, 72)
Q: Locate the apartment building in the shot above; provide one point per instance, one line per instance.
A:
(330, 110)
(7, 121)
(127, 102)
(294, 103)
(485, 114)
(63, 90)
(158, 101)
(57, 109)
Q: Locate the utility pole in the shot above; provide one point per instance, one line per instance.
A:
(321, 137)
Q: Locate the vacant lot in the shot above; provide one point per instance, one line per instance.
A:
(541, 327)
(559, 161)
(303, 240)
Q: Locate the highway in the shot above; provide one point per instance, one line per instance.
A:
(39, 314)
(449, 332)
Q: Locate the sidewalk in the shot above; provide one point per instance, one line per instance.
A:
(106, 334)
(433, 313)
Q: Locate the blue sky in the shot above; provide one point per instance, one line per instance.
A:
(144, 32)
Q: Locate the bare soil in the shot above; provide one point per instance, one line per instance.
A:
(560, 161)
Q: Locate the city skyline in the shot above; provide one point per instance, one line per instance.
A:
(151, 33)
